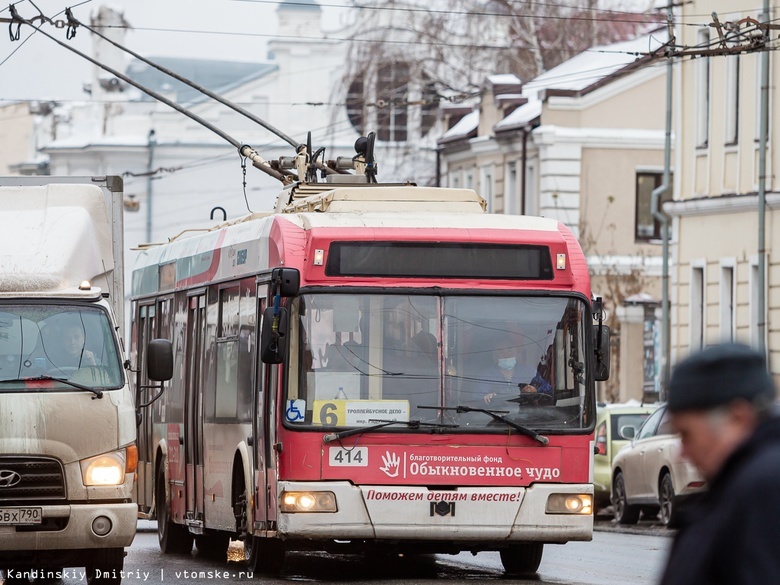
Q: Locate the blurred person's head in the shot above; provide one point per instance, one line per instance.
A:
(72, 339)
(717, 397)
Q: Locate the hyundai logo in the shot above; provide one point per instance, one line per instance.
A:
(9, 478)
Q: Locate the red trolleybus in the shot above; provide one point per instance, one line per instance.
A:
(368, 367)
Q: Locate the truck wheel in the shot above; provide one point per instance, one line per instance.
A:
(173, 538)
(625, 513)
(522, 558)
(106, 566)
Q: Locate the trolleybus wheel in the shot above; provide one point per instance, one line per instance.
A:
(173, 538)
(264, 555)
(522, 558)
(106, 565)
(213, 545)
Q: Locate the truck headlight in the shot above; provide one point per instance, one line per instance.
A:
(570, 504)
(106, 469)
(308, 502)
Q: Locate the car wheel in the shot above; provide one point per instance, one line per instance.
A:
(522, 558)
(666, 498)
(624, 512)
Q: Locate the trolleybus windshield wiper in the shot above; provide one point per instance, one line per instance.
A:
(412, 424)
(495, 415)
(95, 391)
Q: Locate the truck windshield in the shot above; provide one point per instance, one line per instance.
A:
(71, 343)
(357, 358)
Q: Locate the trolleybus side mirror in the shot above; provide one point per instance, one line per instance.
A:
(273, 339)
(601, 344)
(286, 281)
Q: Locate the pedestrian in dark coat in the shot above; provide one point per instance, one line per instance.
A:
(721, 401)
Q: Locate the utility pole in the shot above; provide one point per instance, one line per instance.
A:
(764, 117)
(149, 185)
(663, 218)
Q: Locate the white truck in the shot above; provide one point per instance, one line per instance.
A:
(68, 451)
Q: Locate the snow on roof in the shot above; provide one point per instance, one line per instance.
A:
(465, 125)
(582, 71)
(504, 79)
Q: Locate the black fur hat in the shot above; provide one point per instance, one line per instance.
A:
(718, 375)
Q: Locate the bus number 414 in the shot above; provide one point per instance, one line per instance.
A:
(355, 457)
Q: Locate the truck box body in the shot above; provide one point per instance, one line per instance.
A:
(67, 415)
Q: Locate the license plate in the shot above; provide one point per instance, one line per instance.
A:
(354, 457)
(13, 516)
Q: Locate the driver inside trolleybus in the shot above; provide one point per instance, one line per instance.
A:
(506, 375)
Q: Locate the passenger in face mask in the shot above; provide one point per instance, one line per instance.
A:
(506, 378)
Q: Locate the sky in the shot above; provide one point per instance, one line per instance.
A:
(41, 69)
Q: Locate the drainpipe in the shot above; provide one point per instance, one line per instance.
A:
(523, 160)
(151, 142)
(764, 116)
(438, 166)
(663, 218)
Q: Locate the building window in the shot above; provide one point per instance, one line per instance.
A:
(754, 317)
(385, 101)
(703, 93)
(732, 99)
(511, 197)
(530, 201)
(697, 307)
(647, 227)
(486, 186)
(727, 301)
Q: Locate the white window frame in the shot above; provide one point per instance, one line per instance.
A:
(703, 93)
(753, 288)
(728, 299)
(487, 186)
(697, 323)
(732, 100)
(511, 192)
(530, 194)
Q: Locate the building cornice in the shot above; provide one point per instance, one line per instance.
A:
(720, 204)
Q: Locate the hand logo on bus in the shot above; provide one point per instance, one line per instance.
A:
(392, 464)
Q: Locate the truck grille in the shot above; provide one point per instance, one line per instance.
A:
(30, 480)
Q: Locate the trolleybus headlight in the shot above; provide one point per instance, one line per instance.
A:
(308, 502)
(581, 504)
(106, 469)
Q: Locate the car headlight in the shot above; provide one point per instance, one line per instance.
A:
(581, 504)
(106, 469)
(308, 502)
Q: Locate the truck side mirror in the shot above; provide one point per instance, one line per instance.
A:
(601, 335)
(273, 338)
(159, 360)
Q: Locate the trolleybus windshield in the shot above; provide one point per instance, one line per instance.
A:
(359, 358)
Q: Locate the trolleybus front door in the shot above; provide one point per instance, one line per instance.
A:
(193, 418)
